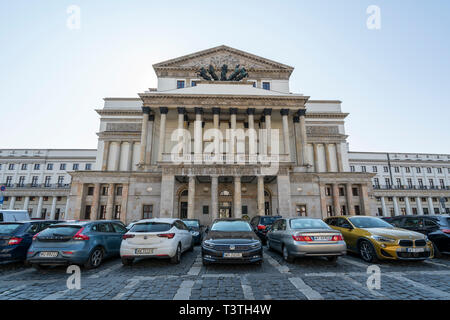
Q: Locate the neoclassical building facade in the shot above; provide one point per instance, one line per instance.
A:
(203, 146)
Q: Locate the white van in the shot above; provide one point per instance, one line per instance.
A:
(14, 215)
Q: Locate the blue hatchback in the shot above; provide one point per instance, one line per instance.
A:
(16, 237)
(82, 242)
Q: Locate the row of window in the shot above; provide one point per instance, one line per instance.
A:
(412, 199)
(37, 166)
(34, 181)
(182, 83)
(397, 169)
(415, 211)
(20, 198)
(341, 190)
(409, 182)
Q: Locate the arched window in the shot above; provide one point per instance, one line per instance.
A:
(184, 193)
(225, 193)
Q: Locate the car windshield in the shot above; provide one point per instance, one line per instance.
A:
(8, 228)
(231, 226)
(308, 224)
(268, 220)
(369, 222)
(60, 231)
(151, 227)
(191, 223)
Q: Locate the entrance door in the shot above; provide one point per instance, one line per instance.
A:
(183, 210)
(224, 210)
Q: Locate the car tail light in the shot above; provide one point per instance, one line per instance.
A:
(302, 238)
(446, 230)
(127, 236)
(79, 236)
(166, 235)
(14, 240)
(35, 236)
(67, 252)
(261, 227)
(337, 238)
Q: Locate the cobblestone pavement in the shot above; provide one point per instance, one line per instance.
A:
(308, 278)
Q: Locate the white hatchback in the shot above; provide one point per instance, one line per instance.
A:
(156, 238)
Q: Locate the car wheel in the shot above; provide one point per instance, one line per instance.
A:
(437, 253)
(95, 259)
(127, 261)
(332, 259)
(367, 251)
(177, 257)
(286, 255)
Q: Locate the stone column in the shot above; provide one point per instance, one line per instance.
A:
(396, 209)
(260, 195)
(430, 205)
(268, 117)
(181, 113)
(327, 156)
(252, 151)
(123, 214)
(419, 206)
(53, 208)
(167, 196)
(198, 136)
(349, 194)
(365, 200)
(284, 196)
(232, 142)
(162, 132)
(144, 134)
(214, 197)
(12, 203)
(105, 155)
(117, 156)
(383, 207)
(323, 201)
(336, 205)
(39, 207)
(109, 202)
(130, 156)
(237, 197)
(95, 202)
(339, 158)
(298, 144)
(26, 203)
(303, 137)
(191, 198)
(216, 124)
(408, 206)
(284, 118)
(316, 157)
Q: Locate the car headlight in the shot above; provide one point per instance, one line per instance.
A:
(194, 233)
(255, 245)
(383, 239)
(208, 244)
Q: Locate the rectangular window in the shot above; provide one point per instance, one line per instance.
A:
(87, 212)
(180, 84)
(355, 192)
(363, 169)
(47, 181)
(388, 182)
(418, 170)
(24, 166)
(90, 191)
(205, 209)
(117, 210)
(410, 183)
(21, 181)
(385, 169)
(49, 166)
(439, 170)
(357, 211)
(407, 169)
(328, 191)
(34, 181)
(397, 169)
(352, 168)
(193, 83)
(374, 169)
(429, 170)
(266, 85)
(37, 166)
(104, 190)
(399, 182)
(75, 166)
(60, 180)
(431, 182)
(88, 166)
(102, 213)
(147, 211)
(376, 182)
(244, 210)
(341, 192)
(442, 183)
(11, 166)
(62, 166)
(300, 210)
(329, 211)
(420, 181)
(119, 190)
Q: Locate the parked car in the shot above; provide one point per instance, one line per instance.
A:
(156, 238)
(387, 219)
(14, 215)
(374, 238)
(231, 241)
(435, 227)
(300, 237)
(260, 226)
(196, 229)
(16, 238)
(85, 243)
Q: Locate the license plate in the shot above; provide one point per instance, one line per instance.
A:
(322, 238)
(143, 251)
(232, 255)
(415, 249)
(48, 254)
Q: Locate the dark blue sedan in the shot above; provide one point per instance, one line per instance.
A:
(195, 229)
(16, 238)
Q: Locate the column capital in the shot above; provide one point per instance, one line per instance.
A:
(284, 112)
(151, 117)
(296, 119)
(146, 110)
(181, 110)
(263, 119)
(267, 112)
(163, 110)
(251, 111)
(233, 110)
(301, 112)
(216, 110)
(198, 110)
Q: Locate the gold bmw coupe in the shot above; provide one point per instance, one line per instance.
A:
(374, 238)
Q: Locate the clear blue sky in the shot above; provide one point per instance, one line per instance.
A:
(394, 82)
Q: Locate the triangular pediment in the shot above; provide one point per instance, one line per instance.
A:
(221, 55)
